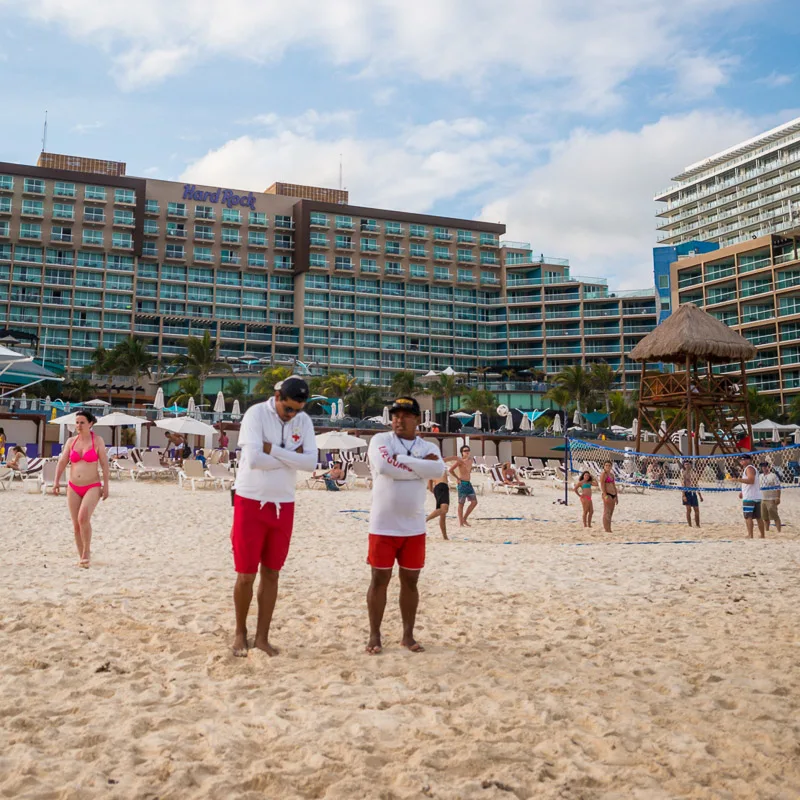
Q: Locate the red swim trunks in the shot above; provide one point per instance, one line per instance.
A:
(408, 551)
(260, 535)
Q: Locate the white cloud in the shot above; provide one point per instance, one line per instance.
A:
(307, 123)
(776, 79)
(592, 202)
(426, 164)
(86, 127)
(573, 54)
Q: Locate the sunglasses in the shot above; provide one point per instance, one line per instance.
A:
(291, 410)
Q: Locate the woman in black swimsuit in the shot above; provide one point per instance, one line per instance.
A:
(608, 488)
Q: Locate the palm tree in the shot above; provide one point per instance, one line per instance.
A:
(188, 387)
(200, 358)
(103, 362)
(577, 382)
(560, 396)
(269, 377)
(622, 412)
(603, 377)
(363, 397)
(793, 409)
(405, 384)
(78, 388)
(338, 384)
(133, 358)
(761, 406)
(236, 389)
(479, 400)
(445, 388)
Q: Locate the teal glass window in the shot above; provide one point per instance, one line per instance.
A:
(94, 193)
(93, 238)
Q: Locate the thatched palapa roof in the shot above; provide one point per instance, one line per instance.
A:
(693, 332)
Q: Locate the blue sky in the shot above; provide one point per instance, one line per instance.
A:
(561, 119)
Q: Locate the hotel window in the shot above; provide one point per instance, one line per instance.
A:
(282, 262)
(283, 240)
(63, 211)
(441, 253)
(146, 306)
(418, 271)
(369, 265)
(28, 274)
(176, 209)
(123, 241)
(441, 273)
(6, 183)
(466, 237)
(32, 208)
(94, 260)
(63, 189)
(30, 230)
(442, 234)
(175, 251)
(93, 214)
(60, 233)
(124, 196)
(343, 262)
(319, 219)
(369, 245)
(257, 218)
(318, 239)
(257, 238)
(344, 223)
(94, 193)
(314, 300)
(257, 299)
(489, 239)
(63, 257)
(490, 259)
(33, 186)
(151, 207)
(663, 281)
(465, 256)
(344, 242)
(283, 221)
(394, 268)
(201, 275)
(151, 227)
(204, 212)
(231, 236)
(369, 225)
(122, 283)
(93, 238)
(5, 205)
(176, 229)
(393, 248)
(317, 260)
(232, 215)
(123, 217)
(204, 233)
(418, 251)
(5, 252)
(149, 249)
(418, 231)
(256, 260)
(393, 228)
(258, 280)
(4, 229)
(229, 257)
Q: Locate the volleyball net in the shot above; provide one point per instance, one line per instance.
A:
(665, 471)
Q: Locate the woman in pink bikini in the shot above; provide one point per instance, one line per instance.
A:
(86, 455)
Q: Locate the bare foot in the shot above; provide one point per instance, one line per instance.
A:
(413, 645)
(84, 563)
(240, 645)
(266, 647)
(464, 524)
(374, 647)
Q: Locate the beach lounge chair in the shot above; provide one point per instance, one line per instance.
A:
(192, 472)
(31, 471)
(489, 462)
(362, 472)
(220, 475)
(124, 466)
(540, 468)
(6, 476)
(497, 484)
(150, 465)
(47, 476)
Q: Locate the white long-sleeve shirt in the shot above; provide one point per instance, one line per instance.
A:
(272, 478)
(399, 483)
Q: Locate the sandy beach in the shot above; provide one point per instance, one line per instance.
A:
(560, 663)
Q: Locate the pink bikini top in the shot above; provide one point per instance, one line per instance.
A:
(89, 456)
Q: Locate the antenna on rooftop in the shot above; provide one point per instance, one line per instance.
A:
(44, 132)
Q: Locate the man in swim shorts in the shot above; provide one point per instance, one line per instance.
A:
(691, 499)
(441, 493)
(401, 463)
(462, 469)
(750, 495)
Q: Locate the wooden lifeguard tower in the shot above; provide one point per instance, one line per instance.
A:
(694, 341)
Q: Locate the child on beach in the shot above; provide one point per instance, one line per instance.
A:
(583, 488)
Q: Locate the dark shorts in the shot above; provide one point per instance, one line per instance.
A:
(260, 534)
(442, 494)
(751, 509)
(690, 500)
(466, 491)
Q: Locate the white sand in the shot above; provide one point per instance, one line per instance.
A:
(552, 670)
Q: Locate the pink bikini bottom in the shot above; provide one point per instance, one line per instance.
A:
(81, 490)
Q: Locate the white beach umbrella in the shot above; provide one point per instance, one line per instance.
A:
(117, 419)
(219, 403)
(427, 417)
(340, 409)
(510, 422)
(776, 434)
(191, 406)
(478, 421)
(23, 400)
(385, 416)
(97, 402)
(186, 425)
(339, 440)
(449, 371)
(236, 412)
(635, 427)
(525, 425)
(797, 436)
(334, 411)
(576, 417)
(557, 427)
(701, 431)
(158, 403)
(663, 427)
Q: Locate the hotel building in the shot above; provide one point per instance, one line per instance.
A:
(745, 192)
(754, 287)
(89, 255)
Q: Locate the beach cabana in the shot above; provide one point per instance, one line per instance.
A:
(695, 342)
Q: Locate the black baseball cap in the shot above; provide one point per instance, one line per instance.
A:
(406, 404)
(745, 456)
(293, 388)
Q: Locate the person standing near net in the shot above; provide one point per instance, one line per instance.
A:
(770, 495)
(462, 469)
(691, 499)
(750, 494)
(583, 488)
(401, 465)
(608, 489)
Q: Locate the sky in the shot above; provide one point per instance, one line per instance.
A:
(559, 118)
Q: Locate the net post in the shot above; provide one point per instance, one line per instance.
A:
(566, 467)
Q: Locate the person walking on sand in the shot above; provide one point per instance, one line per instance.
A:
(608, 490)
(583, 488)
(462, 469)
(750, 495)
(277, 439)
(440, 489)
(86, 456)
(401, 463)
(770, 496)
(691, 499)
